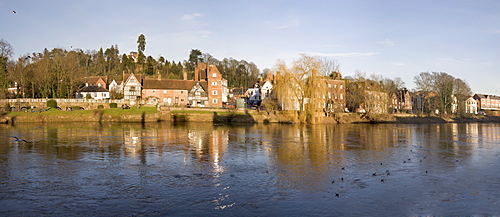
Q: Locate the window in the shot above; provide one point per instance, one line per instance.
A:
(197, 93)
(214, 75)
(341, 86)
(335, 86)
(341, 96)
(214, 92)
(214, 83)
(164, 91)
(214, 101)
(154, 91)
(329, 85)
(182, 92)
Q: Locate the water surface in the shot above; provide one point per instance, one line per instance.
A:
(203, 169)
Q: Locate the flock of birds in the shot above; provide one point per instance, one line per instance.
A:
(381, 175)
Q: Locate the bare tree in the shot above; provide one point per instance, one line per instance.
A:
(424, 84)
(462, 92)
(443, 86)
(328, 66)
(448, 90)
(6, 52)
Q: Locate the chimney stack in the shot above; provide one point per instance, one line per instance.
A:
(184, 75)
(197, 74)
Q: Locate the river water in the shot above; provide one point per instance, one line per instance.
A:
(201, 169)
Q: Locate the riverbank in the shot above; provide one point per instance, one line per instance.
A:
(152, 114)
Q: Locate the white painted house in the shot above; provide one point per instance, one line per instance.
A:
(132, 87)
(95, 92)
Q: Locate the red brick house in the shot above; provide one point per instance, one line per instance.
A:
(335, 95)
(100, 81)
(487, 102)
(205, 90)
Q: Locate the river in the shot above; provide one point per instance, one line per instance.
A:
(202, 169)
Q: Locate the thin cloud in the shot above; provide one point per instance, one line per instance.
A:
(353, 54)
(291, 24)
(191, 16)
(205, 33)
(387, 42)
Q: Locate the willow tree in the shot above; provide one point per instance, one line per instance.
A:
(301, 88)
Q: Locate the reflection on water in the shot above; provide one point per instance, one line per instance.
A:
(254, 170)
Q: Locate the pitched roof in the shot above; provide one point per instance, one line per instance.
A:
(93, 89)
(487, 96)
(138, 76)
(171, 84)
(94, 79)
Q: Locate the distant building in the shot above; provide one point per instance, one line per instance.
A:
(134, 56)
(471, 106)
(94, 91)
(13, 90)
(487, 102)
(132, 86)
(401, 101)
(100, 81)
(254, 95)
(207, 89)
(335, 95)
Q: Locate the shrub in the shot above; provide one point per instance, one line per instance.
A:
(113, 105)
(74, 108)
(52, 103)
(8, 108)
(100, 107)
(88, 96)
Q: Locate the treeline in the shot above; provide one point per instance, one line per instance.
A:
(434, 91)
(59, 73)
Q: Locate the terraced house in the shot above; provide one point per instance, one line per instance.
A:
(488, 102)
(207, 89)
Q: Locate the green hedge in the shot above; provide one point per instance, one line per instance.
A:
(52, 103)
(113, 105)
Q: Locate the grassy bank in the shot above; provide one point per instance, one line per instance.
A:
(134, 114)
(109, 111)
(191, 111)
(151, 114)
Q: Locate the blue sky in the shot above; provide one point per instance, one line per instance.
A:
(399, 38)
